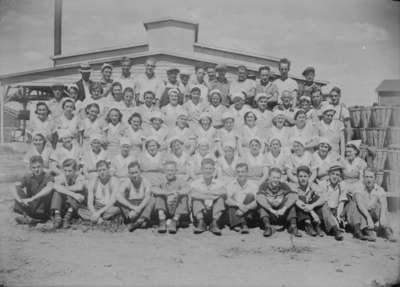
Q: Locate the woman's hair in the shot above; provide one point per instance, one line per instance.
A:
(249, 112)
(135, 115)
(108, 120)
(42, 104)
(299, 112)
(146, 145)
(101, 163)
(41, 136)
(70, 162)
(36, 159)
(133, 164)
(68, 100)
(128, 89)
(89, 106)
(96, 85)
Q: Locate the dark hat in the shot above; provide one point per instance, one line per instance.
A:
(221, 67)
(304, 168)
(335, 167)
(57, 86)
(173, 71)
(195, 88)
(308, 70)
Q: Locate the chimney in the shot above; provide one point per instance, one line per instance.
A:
(57, 26)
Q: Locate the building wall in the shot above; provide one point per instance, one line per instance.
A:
(389, 98)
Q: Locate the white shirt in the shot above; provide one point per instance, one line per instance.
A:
(289, 85)
(154, 84)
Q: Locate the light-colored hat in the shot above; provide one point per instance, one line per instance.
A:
(95, 137)
(175, 138)
(227, 115)
(205, 115)
(327, 108)
(255, 138)
(215, 91)
(64, 133)
(305, 98)
(85, 68)
(106, 65)
(173, 91)
(354, 144)
(124, 141)
(278, 113)
(156, 115)
(275, 139)
(239, 95)
(335, 167)
(287, 93)
(300, 141)
(261, 95)
(181, 113)
(203, 141)
(324, 140)
(173, 70)
(229, 143)
(149, 139)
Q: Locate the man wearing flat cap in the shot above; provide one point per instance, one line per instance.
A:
(85, 82)
(171, 83)
(306, 87)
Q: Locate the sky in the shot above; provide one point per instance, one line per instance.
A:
(353, 44)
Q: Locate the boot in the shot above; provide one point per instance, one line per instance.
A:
(244, 229)
(67, 219)
(201, 227)
(293, 230)
(318, 230)
(162, 228)
(370, 235)
(388, 234)
(310, 229)
(214, 228)
(358, 234)
(172, 227)
(135, 225)
(57, 220)
(26, 220)
(337, 234)
(268, 231)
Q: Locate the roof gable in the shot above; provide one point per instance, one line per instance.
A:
(389, 86)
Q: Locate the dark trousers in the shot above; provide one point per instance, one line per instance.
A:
(177, 208)
(62, 202)
(37, 209)
(235, 219)
(285, 219)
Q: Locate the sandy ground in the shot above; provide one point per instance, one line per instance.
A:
(94, 257)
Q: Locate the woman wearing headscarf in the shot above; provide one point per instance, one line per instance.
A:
(324, 158)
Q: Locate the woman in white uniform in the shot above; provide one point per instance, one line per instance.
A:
(90, 125)
(179, 155)
(41, 122)
(353, 165)
(40, 147)
(256, 160)
(136, 133)
(304, 129)
(279, 130)
(92, 154)
(277, 157)
(158, 130)
(151, 162)
(299, 156)
(250, 129)
(68, 121)
(216, 108)
(182, 131)
(119, 164)
(324, 158)
(206, 131)
(114, 131)
(226, 164)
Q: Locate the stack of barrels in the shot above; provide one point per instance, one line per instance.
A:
(379, 128)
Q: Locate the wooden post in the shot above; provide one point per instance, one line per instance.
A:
(2, 102)
(57, 26)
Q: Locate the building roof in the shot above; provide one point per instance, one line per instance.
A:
(194, 53)
(389, 86)
(173, 21)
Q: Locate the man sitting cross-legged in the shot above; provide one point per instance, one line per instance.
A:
(135, 197)
(311, 205)
(171, 198)
(276, 203)
(241, 198)
(69, 192)
(33, 211)
(207, 196)
(102, 191)
(371, 202)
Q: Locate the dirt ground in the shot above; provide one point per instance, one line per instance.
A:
(94, 257)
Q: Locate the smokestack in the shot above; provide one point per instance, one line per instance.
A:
(57, 26)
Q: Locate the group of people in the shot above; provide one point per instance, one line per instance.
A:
(199, 148)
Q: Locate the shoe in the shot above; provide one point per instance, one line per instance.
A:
(293, 230)
(388, 234)
(244, 229)
(25, 220)
(57, 220)
(215, 229)
(67, 219)
(357, 234)
(318, 230)
(200, 228)
(310, 230)
(370, 235)
(172, 227)
(134, 225)
(162, 228)
(338, 235)
(267, 231)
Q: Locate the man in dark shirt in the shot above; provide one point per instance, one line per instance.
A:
(84, 83)
(37, 210)
(277, 203)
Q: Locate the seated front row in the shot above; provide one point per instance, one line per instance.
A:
(210, 202)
